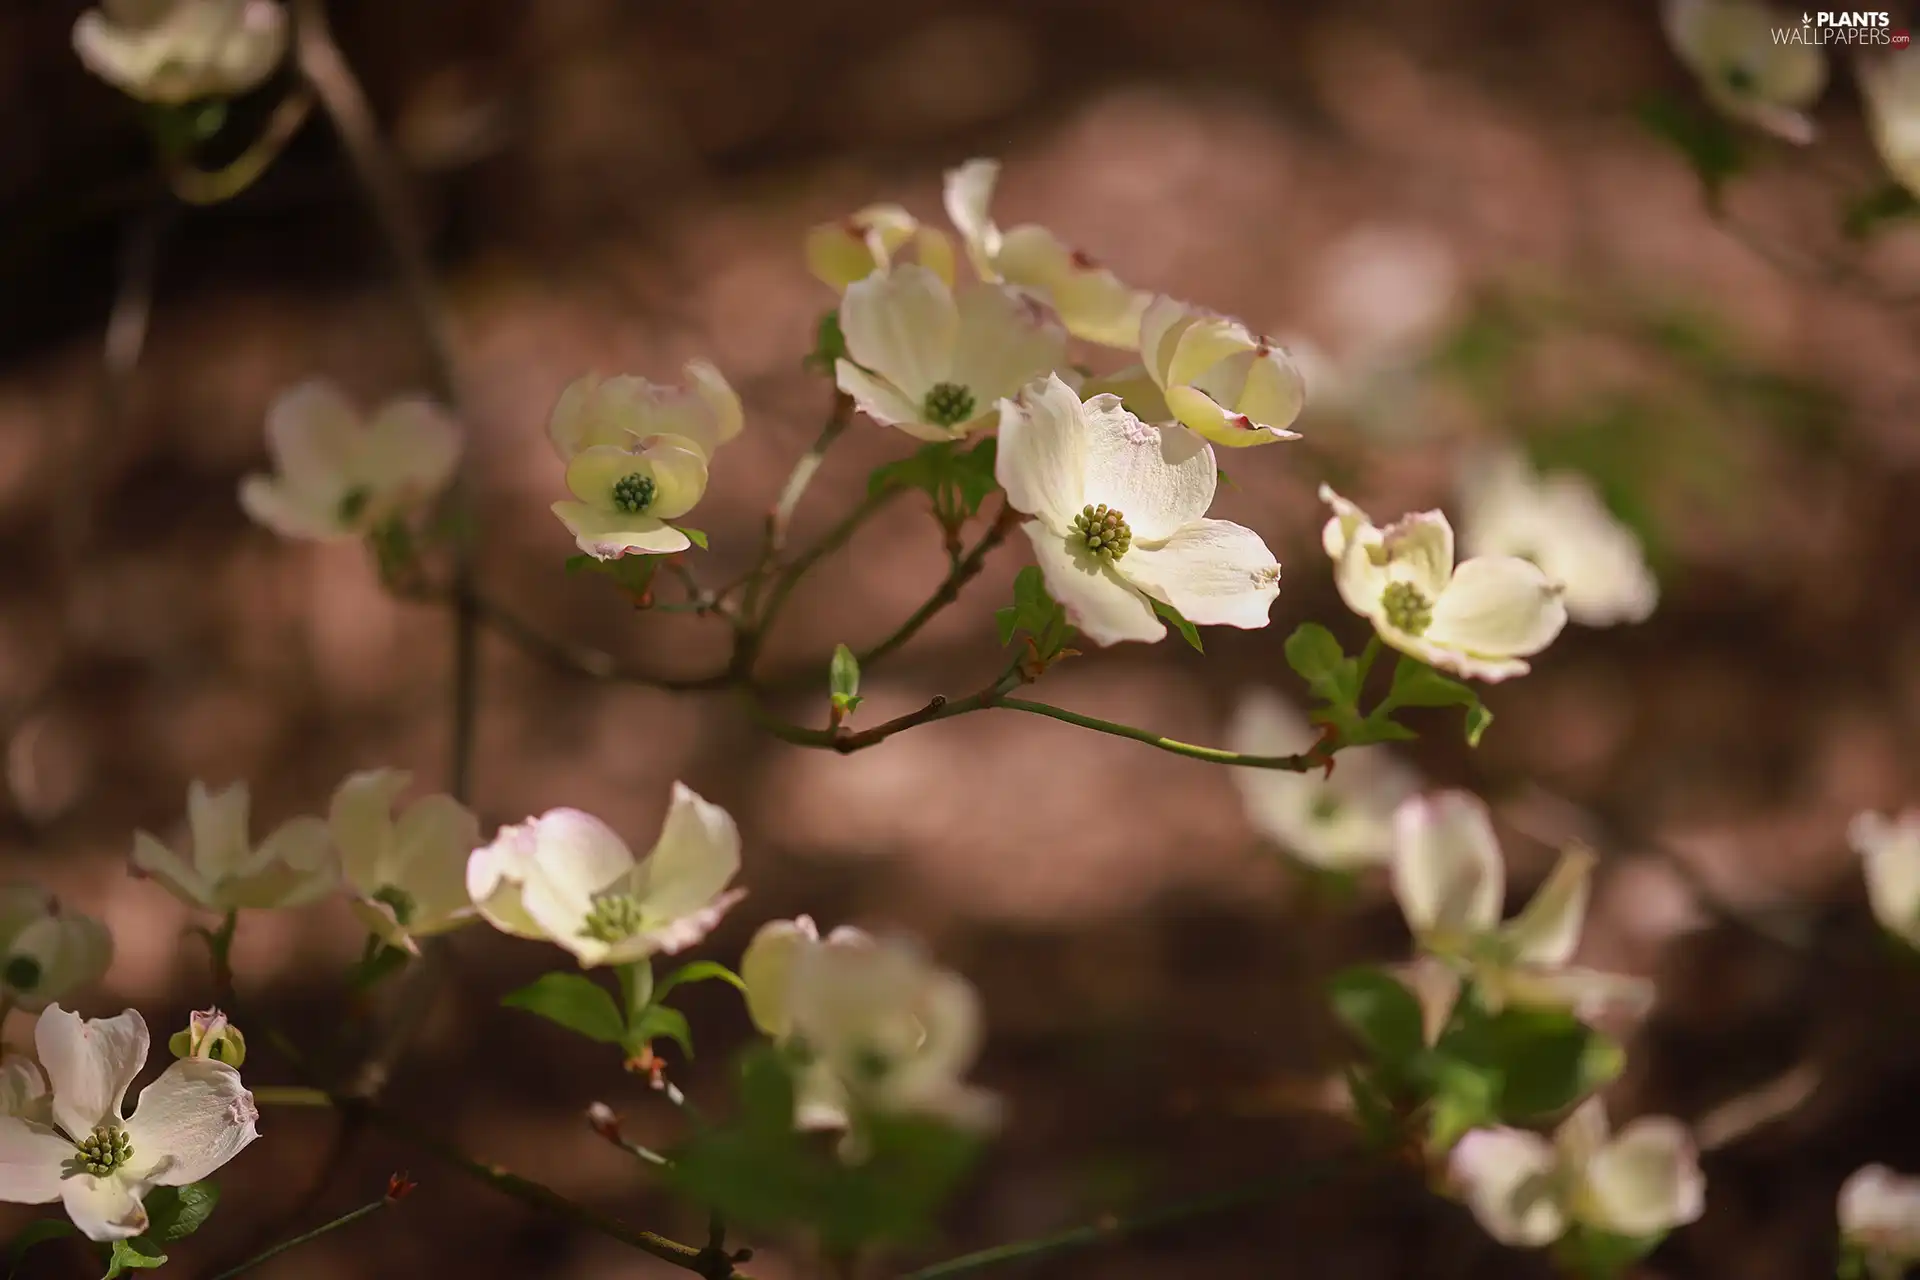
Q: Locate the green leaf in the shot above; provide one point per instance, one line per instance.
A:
(38, 1232)
(1179, 622)
(1465, 1098)
(843, 673)
(972, 473)
(964, 477)
(1705, 140)
(1867, 214)
(582, 564)
(137, 1254)
(656, 1022)
(1317, 658)
(174, 1213)
(829, 344)
(1381, 1012)
(1415, 684)
(575, 1002)
(1034, 612)
(1545, 1060)
(699, 971)
(694, 536)
(1601, 1255)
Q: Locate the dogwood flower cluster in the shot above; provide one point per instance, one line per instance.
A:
(172, 52)
(1743, 69)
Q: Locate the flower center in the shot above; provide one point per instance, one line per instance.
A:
(614, 917)
(105, 1149)
(1406, 609)
(1325, 807)
(634, 494)
(22, 973)
(398, 900)
(353, 503)
(948, 404)
(1104, 531)
(1740, 78)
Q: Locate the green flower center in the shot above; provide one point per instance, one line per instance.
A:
(1406, 609)
(948, 404)
(634, 494)
(398, 900)
(614, 917)
(1104, 531)
(353, 503)
(1325, 807)
(1740, 78)
(105, 1149)
(22, 973)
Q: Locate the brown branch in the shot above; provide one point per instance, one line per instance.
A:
(965, 570)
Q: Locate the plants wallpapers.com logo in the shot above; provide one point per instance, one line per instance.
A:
(1846, 27)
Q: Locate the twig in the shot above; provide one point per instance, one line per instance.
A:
(203, 187)
(781, 517)
(397, 1188)
(965, 570)
(1312, 758)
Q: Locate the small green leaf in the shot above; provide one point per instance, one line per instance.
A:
(829, 344)
(137, 1254)
(582, 564)
(694, 536)
(174, 1213)
(38, 1232)
(1179, 623)
(843, 673)
(1465, 1097)
(575, 1002)
(1601, 1255)
(699, 971)
(655, 1022)
(1381, 1012)
(1415, 684)
(973, 476)
(1705, 140)
(943, 470)
(1034, 612)
(1545, 1060)
(1317, 658)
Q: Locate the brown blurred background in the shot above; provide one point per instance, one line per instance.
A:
(618, 187)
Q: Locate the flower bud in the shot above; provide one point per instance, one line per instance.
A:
(210, 1036)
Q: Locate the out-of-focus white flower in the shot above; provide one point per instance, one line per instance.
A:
(1339, 822)
(174, 51)
(80, 1150)
(1478, 620)
(1091, 300)
(1216, 377)
(568, 878)
(1528, 1191)
(340, 476)
(626, 412)
(1743, 69)
(1889, 849)
(45, 951)
(224, 871)
(623, 498)
(880, 1028)
(934, 366)
(1880, 1216)
(1559, 522)
(1890, 86)
(872, 239)
(408, 878)
(1120, 518)
(1451, 883)
(767, 968)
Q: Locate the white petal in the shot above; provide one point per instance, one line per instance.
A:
(1878, 1208)
(24, 1093)
(1161, 477)
(90, 1064)
(697, 854)
(1100, 606)
(292, 867)
(218, 823)
(383, 923)
(1436, 988)
(574, 857)
(292, 514)
(1547, 931)
(1004, 341)
(189, 1122)
(1498, 607)
(609, 535)
(1094, 303)
(1201, 412)
(1342, 823)
(313, 433)
(1138, 393)
(1042, 457)
(1583, 1134)
(431, 843)
(1217, 573)
(360, 821)
(767, 969)
(412, 448)
(106, 1208)
(669, 936)
(1890, 858)
(1646, 1180)
(496, 876)
(875, 397)
(968, 196)
(32, 1161)
(902, 324)
(1457, 662)
(679, 470)
(176, 874)
(1161, 328)
(1447, 871)
(723, 418)
(1506, 1177)
(1419, 551)
(66, 952)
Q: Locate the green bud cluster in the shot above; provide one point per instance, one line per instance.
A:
(1104, 530)
(615, 917)
(105, 1149)
(634, 494)
(1406, 608)
(948, 404)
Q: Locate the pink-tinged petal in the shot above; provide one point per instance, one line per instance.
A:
(90, 1064)
(1097, 602)
(1506, 1178)
(766, 967)
(875, 397)
(1042, 457)
(1162, 478)
(1448, 875)
(189, 1122)
(1215, 572)
(33, 1159)
(106, 1208)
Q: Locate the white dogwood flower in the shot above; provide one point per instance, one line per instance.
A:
(626, 412)
(1559, 522)
(1890, 87)
(1477, 620)
(1119, 513)
(569, 878)
(74, 1144)
(223, 870)
(1338, 822)
(174, 51)
(623, 497)
(1889, 849)
(933, 365)
(408, 877)
(872, 239)
(46, 951)
(1880, 1216)
(881, 1029)
(767, 968)
(1528, 1191)
(1217, 377)
(339, 476)
(1451, 882)
(1744, 70)
(1091, 300)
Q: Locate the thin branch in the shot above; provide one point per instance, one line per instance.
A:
(965, 570)
(396, 1189)
(781, 517)
(204, 187)
(846, 742)
(1314, 757)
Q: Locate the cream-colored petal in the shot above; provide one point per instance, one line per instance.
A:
(190, 1122)
(1587, 994)
(293, 514)
(32, 1161)
(178, 876)
(1093, 303)
(54, 956)
(1878, 1210)
(1005, 340)
(217, 822)
(90, 1063)
(293, 866)
(1448, 875)
(314, 435)
(902, 325)
(432, 842)
(679, 470)
(360, 821)
(608, 535)
(1204, 344)
(496, 875)
(1647, 1180)
(875, 397)
(1101, 606)
(1497, 607)
(106, 1208)
(1162, 325)
(1419, 551)
(1161, 477)
(1215, 572)
(696, 856)
(766, 967)
(1138, 393)
(1196, 409)
(411, 449)
(968, 196)
(1889, 850)
(1506, 1177)
(1041, 460)
(1547, 931)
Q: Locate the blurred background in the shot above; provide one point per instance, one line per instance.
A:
(1455, 204)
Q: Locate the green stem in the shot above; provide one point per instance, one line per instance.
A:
(965, 569)
(345, 1219)
(846, 742)
(204, 187)
(1312, 758)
